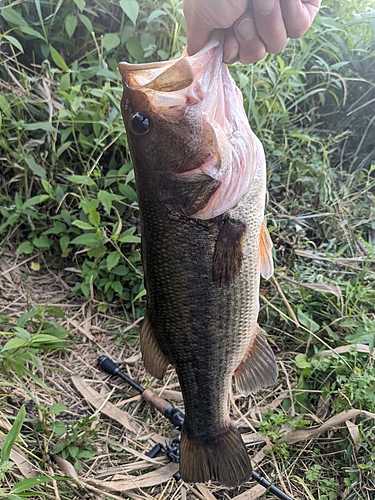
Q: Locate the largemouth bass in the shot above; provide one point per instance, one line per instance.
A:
(201, 182)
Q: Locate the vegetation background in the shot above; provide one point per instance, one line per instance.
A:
(71, 279)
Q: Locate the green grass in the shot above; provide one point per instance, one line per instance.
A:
(68, 203)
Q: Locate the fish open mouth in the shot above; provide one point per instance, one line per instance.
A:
(231, 153)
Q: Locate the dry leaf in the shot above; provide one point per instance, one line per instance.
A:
(78, 326)
(323, 287)
(313, 432)
(252, 494)
(17, 456)
(252, 438)
(259, 456)
(66, 467)
(153, 478)
(354, 433)
(98, 401)
(205, 492)
(343, 349)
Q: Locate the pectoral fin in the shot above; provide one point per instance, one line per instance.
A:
(265, 253)
(156, 363)
(227, 257)
(258, 368)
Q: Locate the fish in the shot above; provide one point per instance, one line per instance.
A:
(200, 175)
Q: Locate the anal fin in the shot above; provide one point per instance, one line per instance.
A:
(222, 457)
(265, 253)
(258, 367)
(156, 363)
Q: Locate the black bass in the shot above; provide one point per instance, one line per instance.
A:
(201, 183)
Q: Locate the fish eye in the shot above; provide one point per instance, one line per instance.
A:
(140, 123)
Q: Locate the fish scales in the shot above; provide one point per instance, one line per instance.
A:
(201, 263)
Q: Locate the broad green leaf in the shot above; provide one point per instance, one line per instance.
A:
(94, 217)
(22, 333)
(12, 435)
(120, 271)
(13, 17)
(112, 260)
(70, 24)
(131, 9)
(117, 287)
(89, 240)
(129, 238)
(13, 41)
(47, 187)
(30, 482)
(57, 228)
(127, 33)
(35, 168)
(83, 225)
(64, 243)
(35, 200)
(56, 311)
(73, 450)
(14, 343)
(58, 59)
(307, 322)
(58, 428)
(5, 106)
(110, 41)
(64, 85)
(87, 454)
(64, 146)
(106, 199)
(26, 247)
(81, 179)
(47, 127)
(134, 48)
(155, 14)
(141, 294)
(30, 31)
(43, 338)
(86, 22)
(81, 4)
(302, 362)
(128, 192)
(107, 74)
(25, 317)
(57, 408)
(42, 242)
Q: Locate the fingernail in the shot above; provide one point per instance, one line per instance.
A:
(246, 29)
(265, 7)
(232, 56)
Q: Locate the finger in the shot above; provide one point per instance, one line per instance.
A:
(251, 46)
(231, 47)
(198, 32)
(298, 15)
(269, 24)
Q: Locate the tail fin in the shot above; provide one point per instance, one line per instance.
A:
(222, 457)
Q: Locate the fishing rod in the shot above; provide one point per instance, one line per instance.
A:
(176, 417)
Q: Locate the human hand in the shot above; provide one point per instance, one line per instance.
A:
(253, 27)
